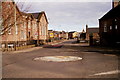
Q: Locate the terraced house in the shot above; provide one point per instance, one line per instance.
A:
(20, 29)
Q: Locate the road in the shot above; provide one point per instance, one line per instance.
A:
(95, 63)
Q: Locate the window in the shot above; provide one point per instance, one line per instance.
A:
(45, 30)
(35, 25)
(1, 28)
(22, 34)
(8, 5)
(105, 27)
(28, 34)
(24, 24)
(110, 27)
(16, 27)
(9, 31)
(42, 18)
(42, 30)
(9, 25)
(29, 24)
(115, 26)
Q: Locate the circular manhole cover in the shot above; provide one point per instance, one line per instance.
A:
(58, 58)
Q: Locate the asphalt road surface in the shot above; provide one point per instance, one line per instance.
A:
(95, 63)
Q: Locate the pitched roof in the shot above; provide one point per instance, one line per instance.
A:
(36, 15)
(39, 14)
(24, 13)
(92, 30)
(112, 13)
(50, 30)
(72, 31)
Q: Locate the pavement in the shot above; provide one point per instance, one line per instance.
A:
(33, 48)
(95, 63)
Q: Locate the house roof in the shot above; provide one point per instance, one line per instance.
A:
(72, 31)
(32, 15)
(38, 15)
(41, 15)
(115, 12)
(92, 30)
(24, 13)
(50, 30)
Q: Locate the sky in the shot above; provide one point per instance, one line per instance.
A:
(70, 16)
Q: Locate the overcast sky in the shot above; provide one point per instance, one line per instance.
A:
(71, 16)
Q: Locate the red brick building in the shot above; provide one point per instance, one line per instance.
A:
(110, 27)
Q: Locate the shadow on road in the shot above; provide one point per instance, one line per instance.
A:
(84, 47)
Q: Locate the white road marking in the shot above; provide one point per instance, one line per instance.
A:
(106, 73)
(58, 58)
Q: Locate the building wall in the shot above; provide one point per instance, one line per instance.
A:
(70, 35)
(110, 34)
(7, 14)
(43, 28)
(87, 37)
(13, 19)
(75, 34)
(34, 32)
(95, 36)
(66, 35)
(25, 27)
(16, 35)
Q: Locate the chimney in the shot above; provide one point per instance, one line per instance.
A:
(86, 28)
(115, 3)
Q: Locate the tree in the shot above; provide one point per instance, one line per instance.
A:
(11, 17)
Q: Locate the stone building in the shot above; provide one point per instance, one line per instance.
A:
(94, 32)
(40, 29)
(19, 28)
(13, 30)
